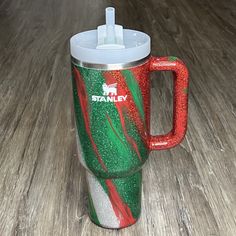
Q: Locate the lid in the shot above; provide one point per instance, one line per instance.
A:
(110, 43)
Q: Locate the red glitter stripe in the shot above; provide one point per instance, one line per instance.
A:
(121, 209)
(84, 105)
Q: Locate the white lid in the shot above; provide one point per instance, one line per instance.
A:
(110, 43)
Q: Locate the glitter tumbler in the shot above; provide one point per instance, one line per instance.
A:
(111, 91)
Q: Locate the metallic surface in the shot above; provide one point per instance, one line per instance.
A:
(109, 66)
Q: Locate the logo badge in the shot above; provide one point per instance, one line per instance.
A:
(109, 94)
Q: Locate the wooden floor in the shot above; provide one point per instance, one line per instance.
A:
(188, 190)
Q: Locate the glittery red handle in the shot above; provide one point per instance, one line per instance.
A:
(180, 104)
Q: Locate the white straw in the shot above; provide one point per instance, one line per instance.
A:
(110, 23)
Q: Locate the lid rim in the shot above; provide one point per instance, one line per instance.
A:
(115, 66)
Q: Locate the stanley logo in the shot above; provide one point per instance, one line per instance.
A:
(109, 94)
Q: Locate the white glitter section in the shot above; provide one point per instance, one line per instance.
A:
(79, 149)
(102, 204)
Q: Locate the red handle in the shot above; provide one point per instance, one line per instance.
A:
(180, 104)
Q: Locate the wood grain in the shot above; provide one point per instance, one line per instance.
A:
(188, 190)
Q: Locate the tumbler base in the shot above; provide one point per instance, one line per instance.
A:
(115, 203)
(109, 227)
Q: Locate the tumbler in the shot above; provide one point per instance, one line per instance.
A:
(111, 93)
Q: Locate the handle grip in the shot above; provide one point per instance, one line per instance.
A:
(180, 105)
